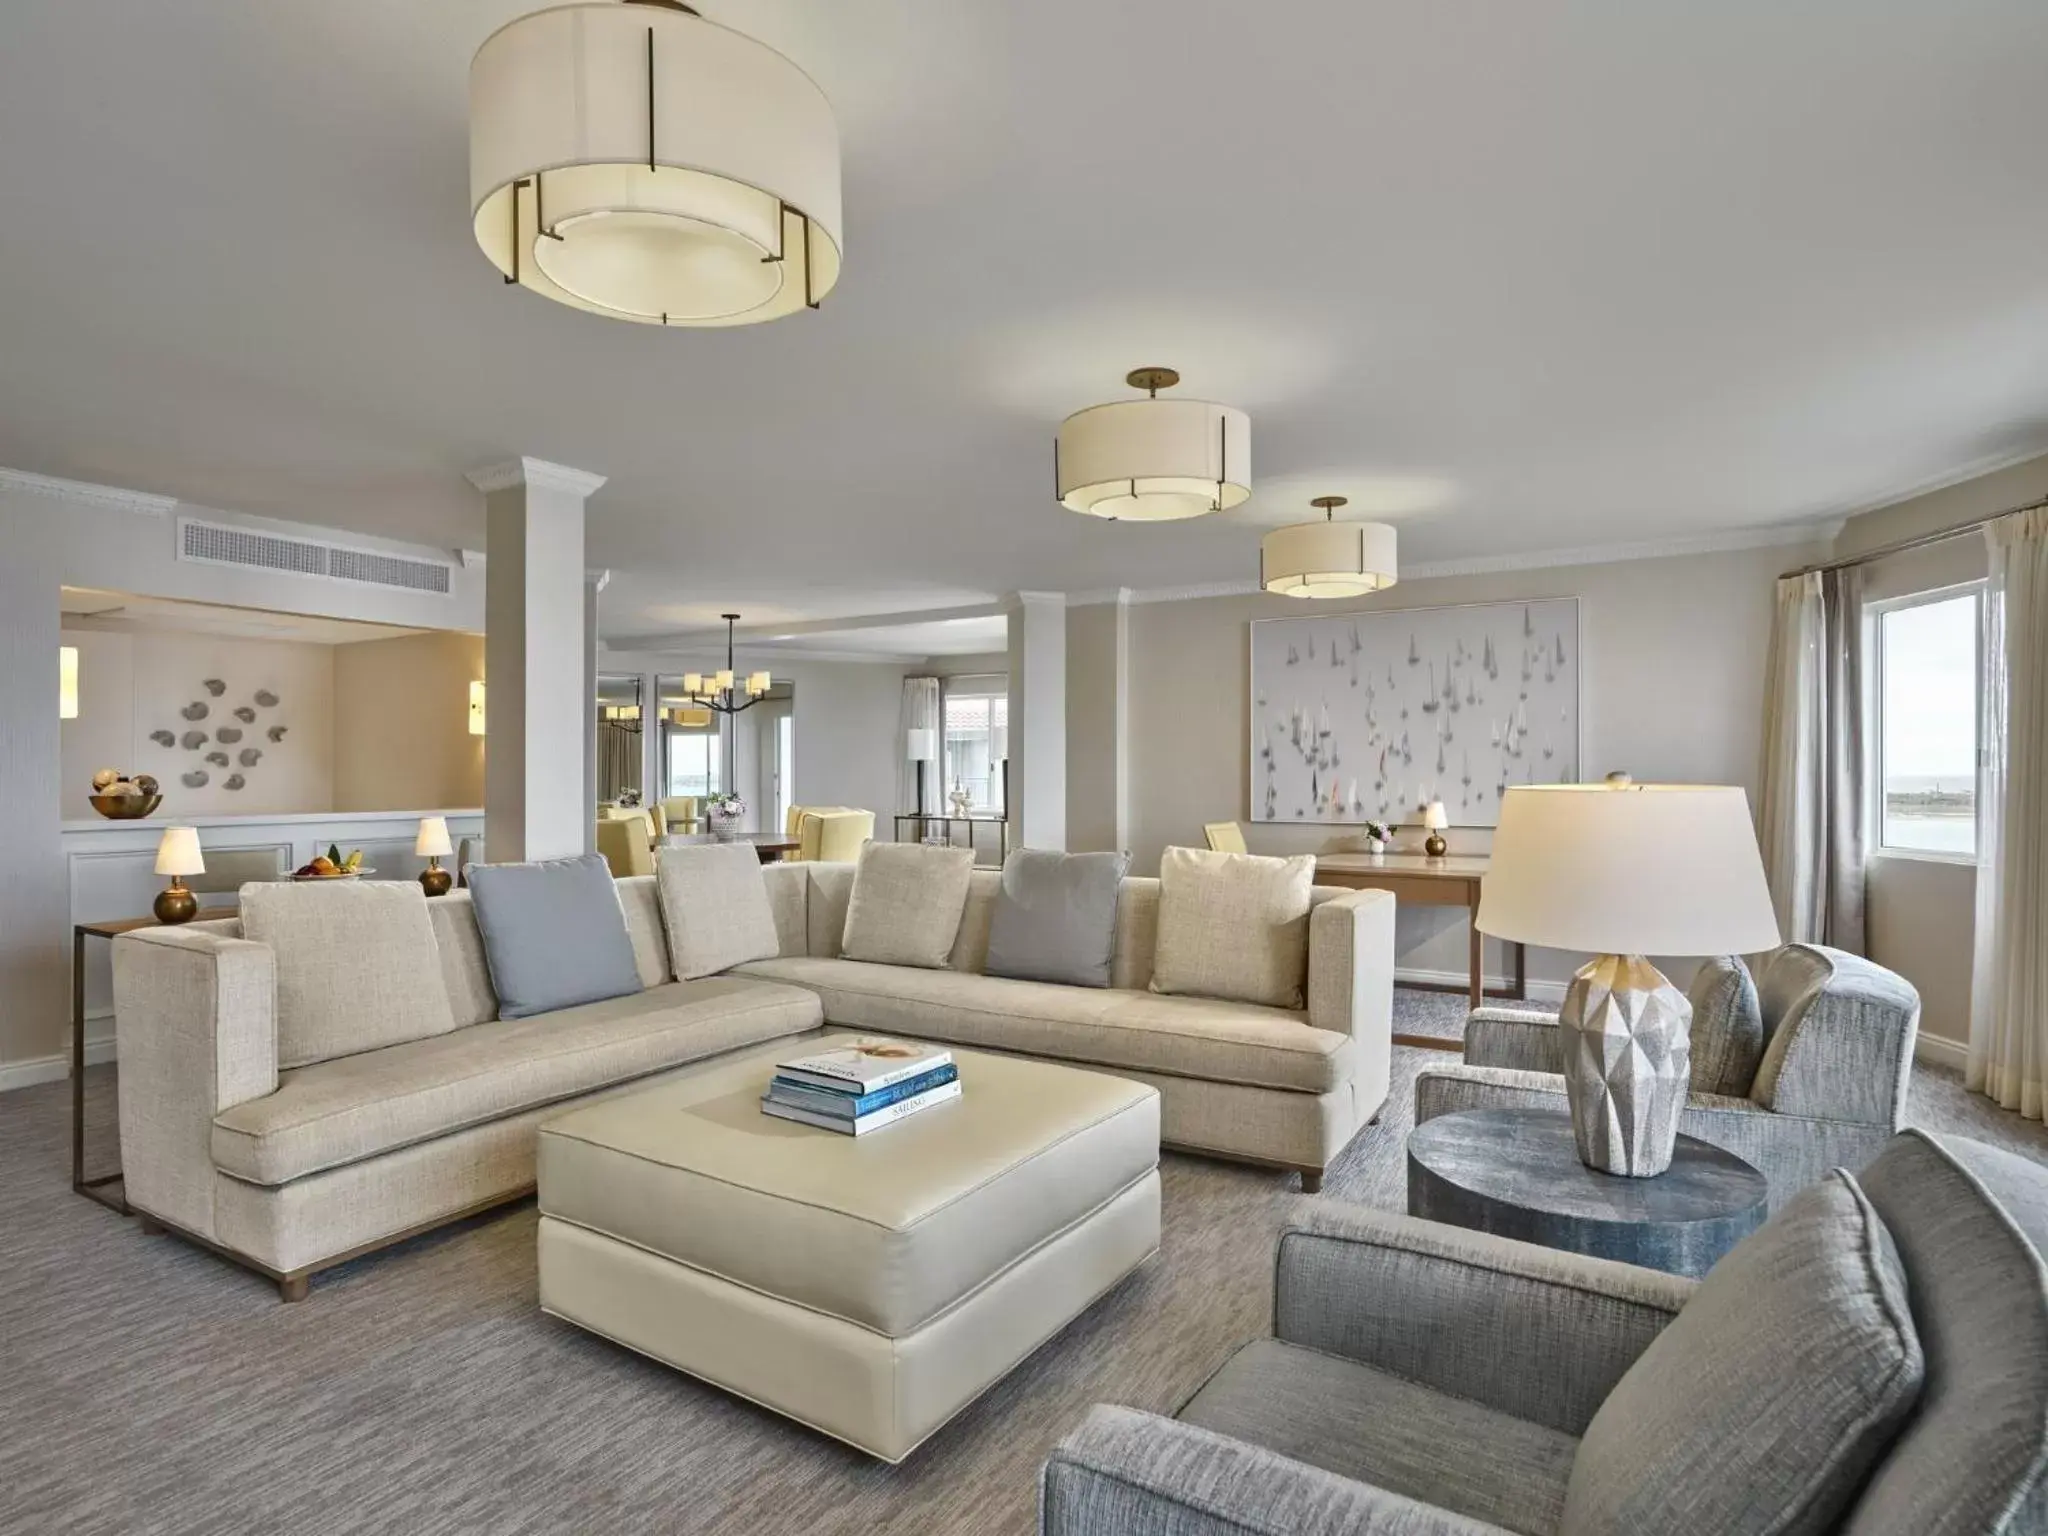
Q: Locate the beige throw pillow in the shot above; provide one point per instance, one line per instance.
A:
(714, 904)
(906, 904)
(1233, 925)
(357, 966)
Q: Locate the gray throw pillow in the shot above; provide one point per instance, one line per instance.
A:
(906, 904)
(1055, 917)
(554, 934)
(1727, 1027)
(1764, 1406)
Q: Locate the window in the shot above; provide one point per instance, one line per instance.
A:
(692, 761)
(977, 712)
(1927, 703)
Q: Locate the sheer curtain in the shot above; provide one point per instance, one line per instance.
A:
(2009, 977)
(920, 713)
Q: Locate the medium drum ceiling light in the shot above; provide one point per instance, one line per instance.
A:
(1153, 460)
(1329, 558)
(630, 158)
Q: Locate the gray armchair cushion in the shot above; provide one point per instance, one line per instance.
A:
(1841, 1032)
(1727, 1026)
(1135, 1474)
(1394, 1434)
(1763, 1408)
(1055, 917)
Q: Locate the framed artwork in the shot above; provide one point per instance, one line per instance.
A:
(1370, 716)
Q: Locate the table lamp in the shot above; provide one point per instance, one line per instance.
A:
(177, 855)
(1627, 870)
(922, 747)
(1435, 818)
(432, 845)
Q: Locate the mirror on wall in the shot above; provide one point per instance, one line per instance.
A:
(619, 736)
(705, 753)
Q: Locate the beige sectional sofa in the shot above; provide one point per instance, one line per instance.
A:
(294, 1170)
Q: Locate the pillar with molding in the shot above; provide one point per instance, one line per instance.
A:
(1038, 719)
(537, 660)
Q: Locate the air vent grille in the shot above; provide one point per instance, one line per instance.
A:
(221, 544)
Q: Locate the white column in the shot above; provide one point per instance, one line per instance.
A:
(1123, 718)
(1038, 720)
(537, 661)
(594, 583)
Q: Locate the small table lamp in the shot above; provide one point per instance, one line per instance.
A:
(432, 845)
(1627, 870)
(1436, 818)
(177, 856)
(921, 747)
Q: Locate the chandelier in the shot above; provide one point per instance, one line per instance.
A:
(721, 691)
(630, 158)
(1329, 558)
(1153, 460)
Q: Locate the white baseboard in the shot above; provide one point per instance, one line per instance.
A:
(1938, 1052)
(1539, 991)
(53, 1069)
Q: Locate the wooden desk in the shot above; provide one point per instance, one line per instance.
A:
(96, 1188)
(1418, 880)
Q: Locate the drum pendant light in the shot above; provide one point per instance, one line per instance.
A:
(1153, 460)
(1329, 558)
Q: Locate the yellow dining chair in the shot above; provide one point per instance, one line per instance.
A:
(1224, 837)
(681, 812)
(657, 816)
(792, 824)
(834, 837)
(624, 846)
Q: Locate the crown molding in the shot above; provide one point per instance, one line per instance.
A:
(538, 474)
(111, 497)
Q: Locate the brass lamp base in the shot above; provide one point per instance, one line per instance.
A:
(175, 904)
(435, 880)
(1435, 846)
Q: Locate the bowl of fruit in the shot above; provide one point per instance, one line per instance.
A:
(120, 797)
(333, 865)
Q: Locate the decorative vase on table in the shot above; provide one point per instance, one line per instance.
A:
(724, 816)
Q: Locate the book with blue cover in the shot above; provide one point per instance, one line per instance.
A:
(842, 1105)
(888, 1114)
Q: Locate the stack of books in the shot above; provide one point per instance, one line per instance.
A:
(863, 1086)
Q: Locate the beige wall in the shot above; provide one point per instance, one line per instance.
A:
(1094, 681)
(401, 723)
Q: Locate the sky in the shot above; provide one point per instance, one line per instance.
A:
(1930, 690)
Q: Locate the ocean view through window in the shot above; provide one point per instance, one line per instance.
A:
(1927, 659)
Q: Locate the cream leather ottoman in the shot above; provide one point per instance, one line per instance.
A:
(870, 1287)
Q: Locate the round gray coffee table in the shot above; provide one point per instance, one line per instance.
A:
(1516, 1173)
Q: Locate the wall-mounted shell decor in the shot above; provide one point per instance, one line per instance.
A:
(214, 686)
(195, 711)
(249, 757)
(245, 714)
(266, 698)
(228, 735)
(196, 779)
(218, 759)
(164, 738)
(194, 740)
(233, 781)
(276, 733)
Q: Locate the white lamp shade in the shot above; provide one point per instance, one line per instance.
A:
(642, 162)
(476, 709)
(1154, 460)
(759, 682)
(1641, 869)
(923, 745)
(693, 683)
(723, 679)
(178, 852)
(432, 843)
(1435, 817)
(1328, 559)
(67, 682)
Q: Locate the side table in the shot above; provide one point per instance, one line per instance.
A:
(96, 1188)
(1516, 1173)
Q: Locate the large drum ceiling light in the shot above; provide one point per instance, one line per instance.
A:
(1329, 558)
(631, 158)
(1153, 460)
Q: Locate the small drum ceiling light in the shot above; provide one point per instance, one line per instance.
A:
(1329, 558)
(630, 158)
(1153, 460)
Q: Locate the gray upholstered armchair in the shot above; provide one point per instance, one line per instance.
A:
(1873, 1361)
(1830, 1088)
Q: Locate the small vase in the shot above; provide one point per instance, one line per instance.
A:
(724, 826)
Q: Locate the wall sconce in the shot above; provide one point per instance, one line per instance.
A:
(476, 709)
(67, 682)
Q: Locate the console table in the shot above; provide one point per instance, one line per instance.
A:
(925, 821)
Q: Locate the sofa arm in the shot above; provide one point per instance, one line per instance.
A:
(1849, 1055)
(1351, 980)
(195, 1025)
(1537, 1333)
(1124, 1472)
(1516, 1038)
(1453, 1086)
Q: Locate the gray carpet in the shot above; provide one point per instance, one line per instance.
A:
(149, 1387)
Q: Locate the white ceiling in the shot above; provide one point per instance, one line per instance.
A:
(1515, 276)
(125, 610)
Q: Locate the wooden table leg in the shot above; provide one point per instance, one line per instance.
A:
(1521, 972)
(1478, 956)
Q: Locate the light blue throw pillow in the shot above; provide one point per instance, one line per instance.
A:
(554, 934)
(1055, 917)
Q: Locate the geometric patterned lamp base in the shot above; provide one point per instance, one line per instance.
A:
(1628, 1064)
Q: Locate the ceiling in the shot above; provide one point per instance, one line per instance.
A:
(126, 611)
(1515, 276)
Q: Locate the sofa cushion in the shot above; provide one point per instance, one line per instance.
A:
(343, 1111)
(906, 903)
(714, 901)
(1377, 1428)
(1765, 1404)
(356, 965)
(554, 932)
(1177, 1036)
(1055, 917)
(1727, 1027)
(1233, 925)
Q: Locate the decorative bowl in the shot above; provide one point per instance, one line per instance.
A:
(125, 807)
